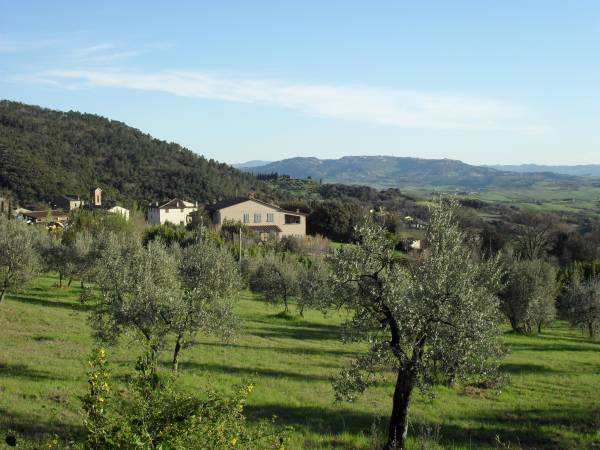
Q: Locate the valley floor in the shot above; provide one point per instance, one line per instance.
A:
(551, 401)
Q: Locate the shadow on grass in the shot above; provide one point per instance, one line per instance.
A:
(583, 347)
(526, 368)
(299, 331)
(35, 430)
(317, 420)
(292, 350)
(61, 304)
(250, 371)
(23, 372)
(536, 428)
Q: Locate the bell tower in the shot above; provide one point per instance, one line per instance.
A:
(96, 197)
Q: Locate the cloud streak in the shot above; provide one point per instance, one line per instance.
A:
(375, 105)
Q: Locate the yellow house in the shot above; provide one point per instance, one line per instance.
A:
(258, 216)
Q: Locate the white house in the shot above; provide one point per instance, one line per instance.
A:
(175, 211)
(119, 210)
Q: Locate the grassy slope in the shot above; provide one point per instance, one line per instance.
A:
(552, 401)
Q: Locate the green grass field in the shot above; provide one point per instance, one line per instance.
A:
(557, 198)
(551, 401)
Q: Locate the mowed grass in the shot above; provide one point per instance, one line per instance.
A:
(551, 401)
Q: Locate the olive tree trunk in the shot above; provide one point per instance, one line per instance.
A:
(176, 353)
(398, 427)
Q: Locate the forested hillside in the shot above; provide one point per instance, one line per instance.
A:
(45, 153)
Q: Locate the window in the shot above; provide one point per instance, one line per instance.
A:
(270, 217)
(257, 218)
(289, 219)
(246, 217)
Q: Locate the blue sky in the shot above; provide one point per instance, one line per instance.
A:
(481, 81)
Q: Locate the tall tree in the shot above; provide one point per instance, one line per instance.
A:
(534, 234)
(432, 318)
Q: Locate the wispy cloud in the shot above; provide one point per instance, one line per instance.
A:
(108, 53)
(11, 45)
(384, 106)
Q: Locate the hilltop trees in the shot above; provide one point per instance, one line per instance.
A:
(45, 153)
(19, 260)
(434, 318)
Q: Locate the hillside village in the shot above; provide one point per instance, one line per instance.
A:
(257, 216)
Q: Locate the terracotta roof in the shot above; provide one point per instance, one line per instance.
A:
(236, 200)
(265, 228)
(176, 203)
(43, 214)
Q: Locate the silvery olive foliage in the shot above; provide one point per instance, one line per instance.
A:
(209, 279)
(139, 291)
(431, 319)
(155, 291)
(55, 256)
(82, 254)
(313, 285)
(19, 260)
(582, 303)
(276, 278)
(529, 293)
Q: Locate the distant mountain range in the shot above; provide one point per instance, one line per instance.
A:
(592, 170)
(391, 171)
(250, 164)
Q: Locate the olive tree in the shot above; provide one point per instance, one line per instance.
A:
(277, 280)
(529, 293)
(55, 256)
(542, 310)
(582, 303)
(19, 259)
(209, 279)
(313, 284)
(81, 256)
(140, 291)
(433, 318)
